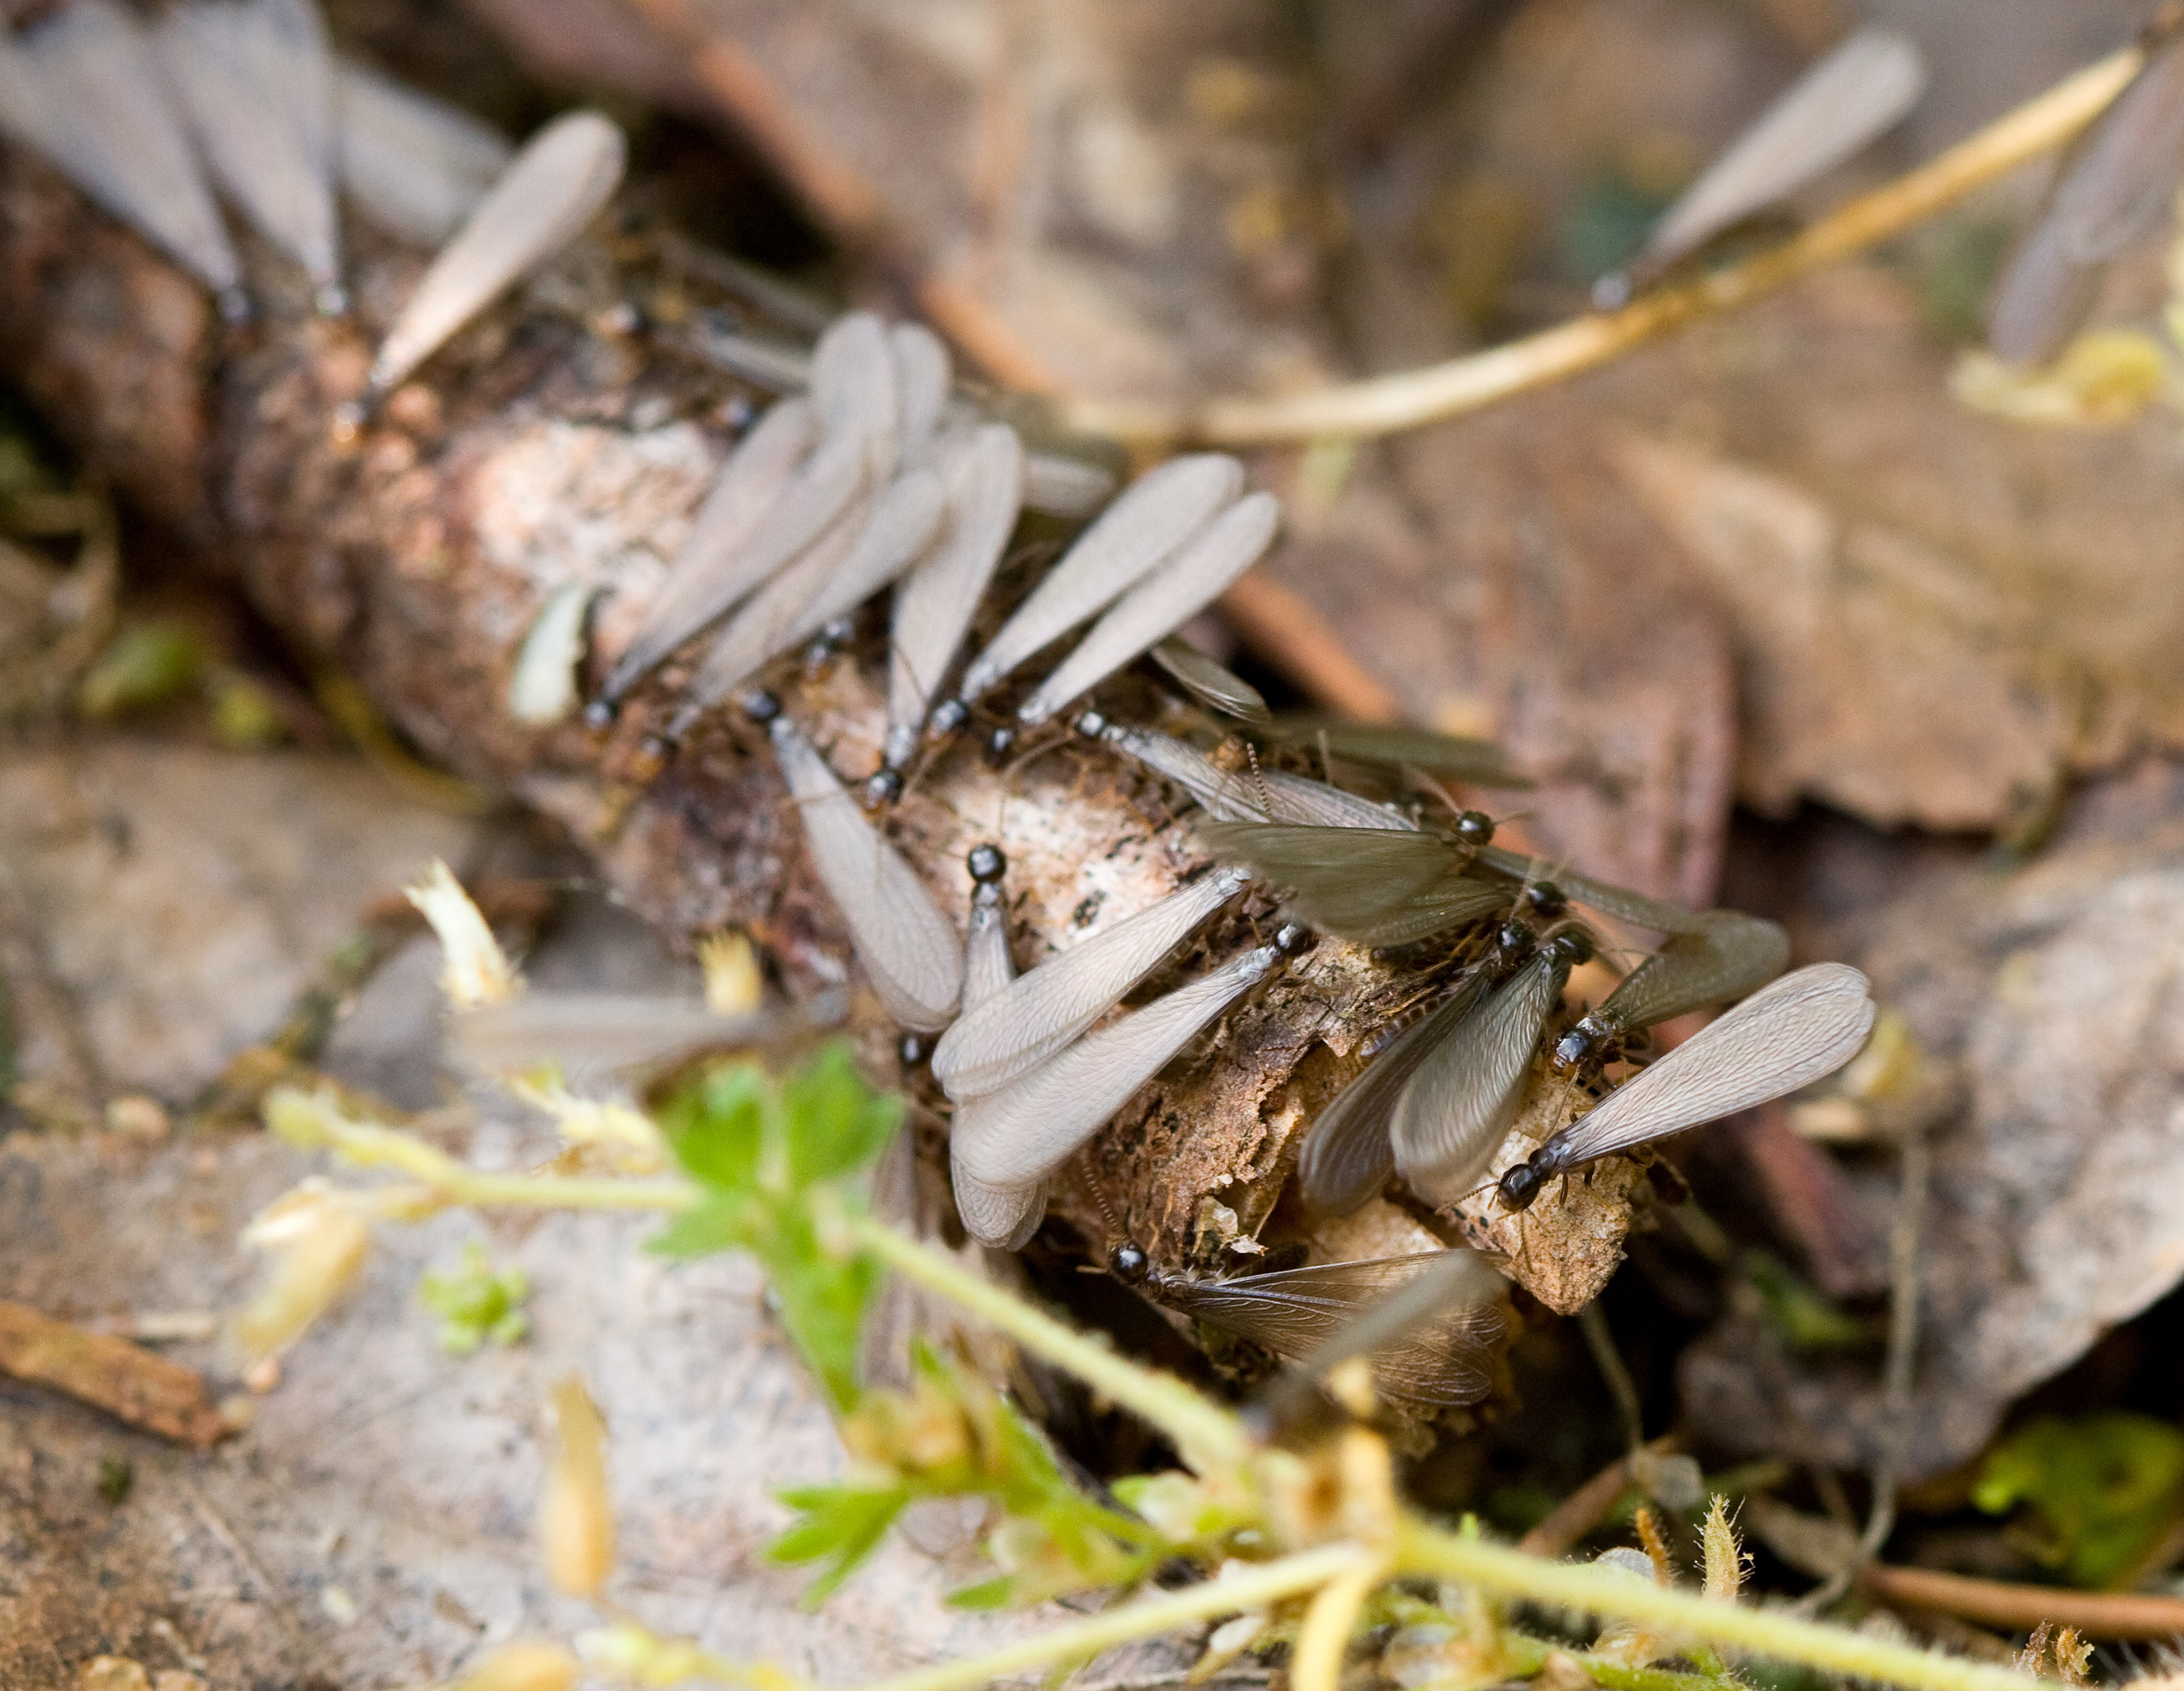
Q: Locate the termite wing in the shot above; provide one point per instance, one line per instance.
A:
(909, 949)
(413, 166)
(1435, 1358)
(1235, 796)
(1455, 1110)
(254, 79)
(1154, 519)
(1161, 602)
(1394, 748)
(550, 191)
(1370, 886)
(1850, 96)
(1728, 955)
(1211, 682)
(2114, 188)
(1799, 1029)
(1027, 1130)
(1002, 1216)
(82, 87)
(584, 1032)
(1018, 1028)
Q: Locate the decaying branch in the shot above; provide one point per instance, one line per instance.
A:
(554, 442)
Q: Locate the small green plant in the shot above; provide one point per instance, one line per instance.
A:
(2101, 1490)
(477, 1305)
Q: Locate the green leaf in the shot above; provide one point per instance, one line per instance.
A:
(716, 1225)
(837, 1122)
(840, 1525)
(2103, 1487)
(822, 1298)
(997, 1592)
(721, 1125)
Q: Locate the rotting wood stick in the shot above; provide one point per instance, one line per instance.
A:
(126, 1381)
(2098, 1613)
(1583, 1509)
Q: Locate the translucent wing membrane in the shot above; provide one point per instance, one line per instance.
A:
(255, 81)
(1028, 1129)
(1243, 795)
(1456, 1109)
(1298, 1311)
(1155, 517)
(1064, 486)
(1163, 601)
(414, 166)
(552, 188)
(1729, 955)
(82, 88)
(1211, 683)
(999, 1217)
(1847, 99)
(1804, 1026)
(717, 565)
(1347, 881)
(934, 603)
(1481, 762)
(1013, 1032)
(922, 378)
(1347, 1154)
(1619, 902)
(1437, 1302)
(908, 947)
(2043, 297)
(855, 388)
(580, 1031)
(987, 967)
(1299, 798)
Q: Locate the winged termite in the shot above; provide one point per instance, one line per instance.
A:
(2114, 188)
(717, 563)
(1799, 1029)
(1211, 683)
(935, 602)
(1155, 517)
(1436, 1358)
(922, 378)
(254, 80)
(1391, 746)
(828, 580)
(551, 189)
(1029, 1128)
(1729, 955)
(1347, 1156)
(1604, 895)
(1225, 795)
(1060, 486)
(856, 390)
(81, 88)
(908, 947)
(998, 1041)
(413, 166)
(1161, 602)
(1456, 1109)
(1378, 887)
(1001, 1217)
(1849, 97)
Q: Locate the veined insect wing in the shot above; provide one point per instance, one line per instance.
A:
(1161, 602)
(988, 968)
(1211, 683)
(1448, 903)
(1607, 897)
(1848, 99)
(921, 374)
(1392, 746)
(81, 88)
(1043, 1009)
(1729, 955)
(998, 1217)
(935, 602)
(1298, 1312)
(717, 565)
(1059, 486)
(255, 81)
(582, 1032)
(1299, 798)
(1028, 1129)
(2042, 299)
(551, 189)
(1155, 517)
(413, 166)
(909, 949)
(1344, 880)
(1347, 1154)
(854, 389)
(2118, 185)
(1228, 796)
(1788, 1035)
(1455, 1111)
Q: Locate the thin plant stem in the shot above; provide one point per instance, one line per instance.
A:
(1325, 1637)
(1209, 1439)
(1411, 398)
(1592, 1321)
(367, 1145)
(1509, 1573)
(1230, 1594)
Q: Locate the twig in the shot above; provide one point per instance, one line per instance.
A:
(2102, 1614)
(1579, 1512)
(1410, 399)
(130, 1384)
(1208, 1437)
(1592, 1322)
(1510, 1573)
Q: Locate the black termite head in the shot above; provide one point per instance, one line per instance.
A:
(1573, 946)
(760, 707)
(999, 743)
(1513, 942)
(1545, 900)
(914, 1049)
(882, 788)
(1294, 939)
(1130, 1265)
(1585, 1043)
(1476, 828)
(986, 863)
(947, 719)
